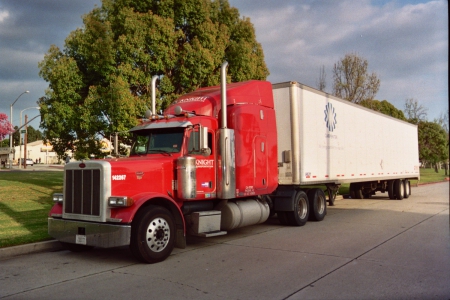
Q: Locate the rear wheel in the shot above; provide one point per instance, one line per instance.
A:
(407, 188)
(152, 234)
(358, 191)
(352, 191)
(317, 204)
(391, 193)
(399, 189)
(299, 216)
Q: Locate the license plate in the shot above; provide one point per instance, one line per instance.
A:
(80, 239)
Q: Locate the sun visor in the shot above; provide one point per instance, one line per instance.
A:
(159, 125)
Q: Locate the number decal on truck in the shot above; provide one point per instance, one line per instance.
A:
(119, 177)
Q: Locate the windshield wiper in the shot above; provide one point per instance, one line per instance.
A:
(160, 151)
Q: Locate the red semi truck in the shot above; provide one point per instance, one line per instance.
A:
(203, 170)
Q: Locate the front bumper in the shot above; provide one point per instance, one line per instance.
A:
(89, 234)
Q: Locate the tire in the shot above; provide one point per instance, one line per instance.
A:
(399, 189)
(152, 234)
(282, 217)
(352, 191)
(368, 195)
(391, 193)
(76, 247)
(300, 215)
(317, 205)
(358, 192)
(406, 188)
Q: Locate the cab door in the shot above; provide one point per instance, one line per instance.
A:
(205, 165)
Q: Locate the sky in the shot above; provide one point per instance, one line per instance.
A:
(405, 43)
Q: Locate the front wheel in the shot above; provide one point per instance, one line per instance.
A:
(300, 215)
(152, 235)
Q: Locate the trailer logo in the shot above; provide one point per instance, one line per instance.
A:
(330, 117)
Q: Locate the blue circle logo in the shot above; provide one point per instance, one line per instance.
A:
(330, 117)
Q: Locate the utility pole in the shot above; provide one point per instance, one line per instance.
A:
(25, 142)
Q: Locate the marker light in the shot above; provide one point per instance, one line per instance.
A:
(120, 201)
(58, 197)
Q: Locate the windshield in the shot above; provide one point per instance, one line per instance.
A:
(166, 140)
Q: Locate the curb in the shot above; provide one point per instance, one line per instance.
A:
(13, 251)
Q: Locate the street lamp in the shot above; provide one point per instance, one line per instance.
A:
(10, 135)
(20, 134)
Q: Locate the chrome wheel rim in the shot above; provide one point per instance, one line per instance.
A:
(158, 234)
(320, 204)
(302, 208)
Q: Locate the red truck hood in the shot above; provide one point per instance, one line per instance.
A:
(135, 175)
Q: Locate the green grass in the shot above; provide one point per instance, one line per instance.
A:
(26, 198)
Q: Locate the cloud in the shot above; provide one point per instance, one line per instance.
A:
(405, 43)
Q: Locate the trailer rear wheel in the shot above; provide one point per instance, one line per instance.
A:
(391, 193)
(399, 189)
(299, 216)
(357, 188)
(352, 191)
(152, 234)
(317, 204)
(407, 188)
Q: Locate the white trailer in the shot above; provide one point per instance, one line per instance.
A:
(326, 140)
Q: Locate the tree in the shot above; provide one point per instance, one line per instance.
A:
(322, 84)
(33, 135)
(443, 121)
(351, 80)
(384, 107)
(99, 83)
(433, 143)
(5, 126)
(414, 111)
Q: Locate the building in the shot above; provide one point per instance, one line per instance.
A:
(38, 151)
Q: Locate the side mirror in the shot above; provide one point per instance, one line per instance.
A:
(204, 147)
(203, 137)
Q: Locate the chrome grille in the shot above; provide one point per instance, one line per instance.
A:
(82, 192)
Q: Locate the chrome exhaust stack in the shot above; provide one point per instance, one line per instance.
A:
(226, 171)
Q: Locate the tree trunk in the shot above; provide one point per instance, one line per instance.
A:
(436, 168)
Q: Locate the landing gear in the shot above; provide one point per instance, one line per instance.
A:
(332, 190)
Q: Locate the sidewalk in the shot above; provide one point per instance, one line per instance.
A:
(13, 251)
(36, 167)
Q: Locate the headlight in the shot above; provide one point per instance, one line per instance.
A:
(58, 197)
(120, 201)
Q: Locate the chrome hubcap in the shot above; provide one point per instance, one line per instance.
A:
(158, 234)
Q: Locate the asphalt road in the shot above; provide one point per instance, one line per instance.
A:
(364, 249)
